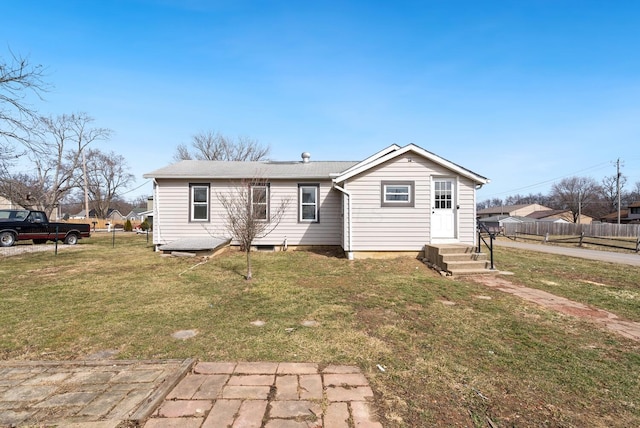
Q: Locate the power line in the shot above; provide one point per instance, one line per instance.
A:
(136, 188)
(600, 165)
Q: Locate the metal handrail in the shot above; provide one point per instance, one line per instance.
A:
(492, 236)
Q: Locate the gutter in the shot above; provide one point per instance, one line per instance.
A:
(156, 218)
(349, 217)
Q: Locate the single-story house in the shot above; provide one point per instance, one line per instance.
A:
(630, 215)
(112, 214)
(520, 210)
(496, 223)
(559, 216)
(7, 204)
(137, 214)
(397, 200)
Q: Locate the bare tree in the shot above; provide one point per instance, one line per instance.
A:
(55, 154)
(215, 146)
(609, 192)
(249, 215)
(107, 175)
(575, 194)
(18, 79)
(634, 194)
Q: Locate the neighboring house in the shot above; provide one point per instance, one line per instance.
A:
(629, 215)
(137, 214)
(559, 216)
(6, 204)
(112, 214)
(496, 223)
(82, 215)
(397, 200)
(521, 210)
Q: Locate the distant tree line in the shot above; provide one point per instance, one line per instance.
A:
(49, 161)
(579, 194)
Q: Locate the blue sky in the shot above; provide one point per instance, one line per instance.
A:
(522, 92)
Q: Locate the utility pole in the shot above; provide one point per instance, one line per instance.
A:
(618, 186)
(86, 186)
(579, 206)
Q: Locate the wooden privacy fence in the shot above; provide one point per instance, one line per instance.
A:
(573, 229)
(623, 236)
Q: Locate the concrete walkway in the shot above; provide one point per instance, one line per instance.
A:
(632, 259)
(157, 394)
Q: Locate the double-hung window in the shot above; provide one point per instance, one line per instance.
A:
(259, 201)
(397, 193)
(199, 202)
(308, 202)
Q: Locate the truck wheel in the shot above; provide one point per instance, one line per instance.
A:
(71, 239)
(7, 239)
(39, 241)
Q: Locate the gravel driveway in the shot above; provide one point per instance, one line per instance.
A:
(32, 248)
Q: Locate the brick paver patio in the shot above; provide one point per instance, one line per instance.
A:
(161, 394)
(269, 395)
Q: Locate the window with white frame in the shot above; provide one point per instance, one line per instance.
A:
(443, 194)
(397, 193)
(308, 201)
(259, 201)
(199, 202)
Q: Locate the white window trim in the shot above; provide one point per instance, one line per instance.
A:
(266, 203)
(316, 189)
(193, 203)
(440, 192)
(410, 202)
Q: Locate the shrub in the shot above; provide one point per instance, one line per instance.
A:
(127, 226)
(144, 225)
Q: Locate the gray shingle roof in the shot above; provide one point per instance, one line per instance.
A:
(194, 169)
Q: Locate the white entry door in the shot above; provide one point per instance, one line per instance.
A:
(443, 209)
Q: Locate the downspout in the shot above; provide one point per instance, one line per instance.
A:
(349, 217)
(156, 218)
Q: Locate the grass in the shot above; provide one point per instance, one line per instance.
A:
(455, 352)
(608, 286)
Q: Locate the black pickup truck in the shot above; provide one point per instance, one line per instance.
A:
(22, 225)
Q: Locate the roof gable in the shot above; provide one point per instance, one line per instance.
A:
(394, 151)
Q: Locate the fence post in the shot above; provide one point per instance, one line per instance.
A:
(491, 249)
(56, 241)
(581, 237)
(113, 239)
(638, 244)
(546, 237)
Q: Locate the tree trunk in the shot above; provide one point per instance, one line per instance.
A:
(249, 263)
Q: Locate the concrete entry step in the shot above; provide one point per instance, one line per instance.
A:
(457, 259)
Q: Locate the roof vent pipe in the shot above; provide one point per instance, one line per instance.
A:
(305, 157)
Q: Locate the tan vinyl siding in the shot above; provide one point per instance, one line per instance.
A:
(172, 216)
(402, 228)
